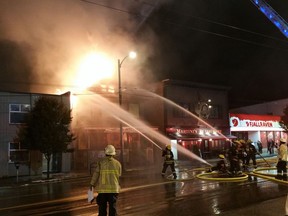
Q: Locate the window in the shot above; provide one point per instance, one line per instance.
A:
(134, 109)
(215, 112)
(17, 113)
(16, 153)
(178, 113)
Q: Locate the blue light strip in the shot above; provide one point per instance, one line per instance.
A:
(272, 15)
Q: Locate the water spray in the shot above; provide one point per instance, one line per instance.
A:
(181, 108)
(114, 110)
(147, 136)
(137, 131)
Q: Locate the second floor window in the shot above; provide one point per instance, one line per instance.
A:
(17, 113)
(178, 113)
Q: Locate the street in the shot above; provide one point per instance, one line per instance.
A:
(149, 194)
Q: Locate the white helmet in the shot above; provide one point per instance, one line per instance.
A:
(110, 150)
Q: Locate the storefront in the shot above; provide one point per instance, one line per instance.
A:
(91, 142)
(263, 128)
(204, 142)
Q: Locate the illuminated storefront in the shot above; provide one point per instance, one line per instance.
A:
(264, 128)
(201, 141)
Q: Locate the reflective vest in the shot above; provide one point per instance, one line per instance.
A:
(282, 152)
(106, 176)
(168, 156)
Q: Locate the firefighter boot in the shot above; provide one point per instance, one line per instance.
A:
(278, 177)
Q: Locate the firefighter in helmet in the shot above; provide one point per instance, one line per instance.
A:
(251, 153)
(221, 165)
(282, 160)
(234, 160)
(242, 154)
(105, 180)
(168, 161)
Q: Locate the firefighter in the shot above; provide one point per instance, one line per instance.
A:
(168, 161)
(234, 157)
(282, 160)
(251, 153)
(106, 182)
(242, 154)
(221, 165)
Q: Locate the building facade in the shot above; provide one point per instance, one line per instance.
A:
(263, 128)
(13, 157)
(259, 122)
(97, 120)
(196, 116)
(189, 115)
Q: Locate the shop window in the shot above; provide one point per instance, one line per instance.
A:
(215, 144)
(16, 153)
(114, 139)
(17, 113)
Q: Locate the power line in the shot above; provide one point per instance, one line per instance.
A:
(112, 8)
(229, 37)
(201, 30)
(239, 29)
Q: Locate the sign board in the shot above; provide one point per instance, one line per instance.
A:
(247, 122)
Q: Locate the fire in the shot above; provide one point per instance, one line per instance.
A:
(93, 68)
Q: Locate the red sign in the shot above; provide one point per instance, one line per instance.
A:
(246, 120)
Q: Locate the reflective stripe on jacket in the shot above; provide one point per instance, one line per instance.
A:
(168, 156)
(282, 152)
(106, 176)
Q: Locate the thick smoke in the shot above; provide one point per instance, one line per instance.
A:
(41, 41)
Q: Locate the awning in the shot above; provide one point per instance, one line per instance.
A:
(198, 136)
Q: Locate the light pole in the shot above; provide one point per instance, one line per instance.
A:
(131, 55)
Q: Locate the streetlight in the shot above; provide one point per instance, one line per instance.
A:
(131, 55)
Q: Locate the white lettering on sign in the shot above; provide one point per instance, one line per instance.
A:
(236, 123)
(258, 124)
(254, 121)
(186, 131)
(192, 131)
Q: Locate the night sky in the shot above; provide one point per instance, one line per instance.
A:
(228, 43)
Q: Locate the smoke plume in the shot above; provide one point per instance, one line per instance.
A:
(41, 41)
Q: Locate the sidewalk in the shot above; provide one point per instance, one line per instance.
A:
(130, 177)
(54, 177)
(148, 174)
